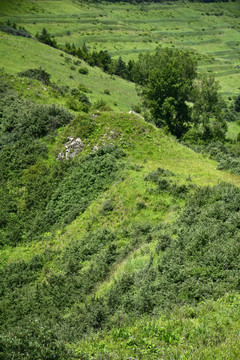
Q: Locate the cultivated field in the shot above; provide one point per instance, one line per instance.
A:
(210, 30)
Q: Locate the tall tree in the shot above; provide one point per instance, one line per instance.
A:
(46, 38)
(207, 112)
(168, 76)
(237, 103)
(120, 68)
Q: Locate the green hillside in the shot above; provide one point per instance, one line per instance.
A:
(210, 30)
(117, 240)
(19, 54)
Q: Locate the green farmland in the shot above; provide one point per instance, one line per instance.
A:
(210, 30)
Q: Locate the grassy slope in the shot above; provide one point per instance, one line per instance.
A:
(19, 54)
(127, 30)
(147, 149)
(207, 331)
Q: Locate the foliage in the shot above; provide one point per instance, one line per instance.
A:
(207, 113)
(83, 70)
(34, 341)
(226, 155)
(38, 74)
(22, 124)
(163, 179)
(86, 180)
(168, 76)
(46, 38)
(112, 284)
(237, 103)
(196, 264)
(11, 28)
(207, 330)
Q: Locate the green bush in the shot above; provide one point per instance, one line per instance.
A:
(107, 207)
(75, 103)
(14, 30)
(196, 263)
(38, 74)
(226, 155)
(34, 340)
(85, 182)
(163, 179)
(83, 71)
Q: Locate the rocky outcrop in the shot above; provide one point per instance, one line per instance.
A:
(72, 148)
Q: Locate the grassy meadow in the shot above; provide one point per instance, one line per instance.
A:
(210, 30)
(19, 54)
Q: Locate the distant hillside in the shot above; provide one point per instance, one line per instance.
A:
(209, 30)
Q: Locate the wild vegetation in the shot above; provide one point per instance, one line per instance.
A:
(119, 232)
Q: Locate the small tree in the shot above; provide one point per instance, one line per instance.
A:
(46, 38)
(237, 103)
(207, 113)
(120, 68)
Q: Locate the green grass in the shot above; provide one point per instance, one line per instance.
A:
(212, 30)
(233, 130)
(19, 54)
(147, 148)
(207, 331)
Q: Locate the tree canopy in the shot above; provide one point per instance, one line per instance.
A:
(168, 76)
(177, 97)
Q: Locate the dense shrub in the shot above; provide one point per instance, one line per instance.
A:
(78, 101)
(237, 103)
(226, 155)
(86, 180)
(196, 263)
(23, 125)
(164, 181)
(83, 70)
(38, 74)
(11, 28)
(33, 340)
(25, 120)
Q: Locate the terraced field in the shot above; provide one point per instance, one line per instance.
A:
(211, 30)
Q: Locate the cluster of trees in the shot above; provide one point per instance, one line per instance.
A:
(100, 58)
(177, 98)
(186, 103)
(13, 29)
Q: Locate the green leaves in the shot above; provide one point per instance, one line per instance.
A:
(168, 77)
(85, 182)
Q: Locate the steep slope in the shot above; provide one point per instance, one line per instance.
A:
(209, 29)
(124, 246)
(77, 279)
(20, 54)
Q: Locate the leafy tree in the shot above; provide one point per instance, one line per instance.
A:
(169, 76)
(120, 68)
(208, 115)
(237, 103)
(46, 38)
